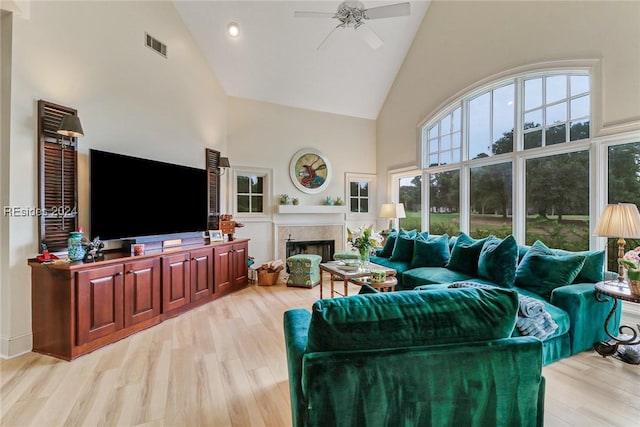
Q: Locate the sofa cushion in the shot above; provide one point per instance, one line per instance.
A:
(387, 250)
(399, 266)
(593, 269)
(465, 254)
(498, 260)
(403, 247)
(542, 270)
(433, 252)
(407, 319)
(430, 275)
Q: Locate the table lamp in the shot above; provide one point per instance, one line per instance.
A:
(620, 220)
(392, 211)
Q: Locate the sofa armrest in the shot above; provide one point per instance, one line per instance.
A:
(296, 331)
(587, 315)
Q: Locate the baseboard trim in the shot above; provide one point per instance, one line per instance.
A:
(15, 346)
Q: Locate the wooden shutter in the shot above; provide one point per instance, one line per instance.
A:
(213, 186)
(57, 177)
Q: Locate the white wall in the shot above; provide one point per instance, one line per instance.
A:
(91, 56)
(461, 43)
(266, 135)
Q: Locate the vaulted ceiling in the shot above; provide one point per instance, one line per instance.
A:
(275, 57)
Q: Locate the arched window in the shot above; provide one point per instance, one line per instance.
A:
(513, 156)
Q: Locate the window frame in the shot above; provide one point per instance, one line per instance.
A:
(370, 178)
(267, 203)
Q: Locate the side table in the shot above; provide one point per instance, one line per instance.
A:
(617, 291)
(389, 285)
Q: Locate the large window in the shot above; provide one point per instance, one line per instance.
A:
(623, 165)
(490, 197)
(410, 194)
(513, 157)
(444, 139)
(444, 203)
(558, 200)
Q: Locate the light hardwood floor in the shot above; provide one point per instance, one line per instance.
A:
(224, 364)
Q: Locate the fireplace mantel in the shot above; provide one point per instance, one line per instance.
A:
(307, 209)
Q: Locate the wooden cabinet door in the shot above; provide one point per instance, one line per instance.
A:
(201, 274)
(100, 302)
(240, 268)
(141, 290)
(223, 268)
(176, 281)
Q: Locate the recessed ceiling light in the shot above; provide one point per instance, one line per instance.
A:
(233, 29)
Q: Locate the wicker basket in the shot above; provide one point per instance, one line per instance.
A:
(267, 279)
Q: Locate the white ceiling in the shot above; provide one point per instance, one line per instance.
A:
(275, 57)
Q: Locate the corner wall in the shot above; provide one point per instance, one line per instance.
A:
(265, 135)
(91, 56)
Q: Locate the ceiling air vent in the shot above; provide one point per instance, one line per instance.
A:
(155, 44)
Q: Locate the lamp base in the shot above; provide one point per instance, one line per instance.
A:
(621, 243)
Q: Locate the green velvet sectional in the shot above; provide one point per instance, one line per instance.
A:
(562, 280)
(443, 357)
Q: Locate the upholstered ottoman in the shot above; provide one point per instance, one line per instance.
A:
(304, 270)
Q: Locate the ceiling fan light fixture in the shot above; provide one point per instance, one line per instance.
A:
(233, 29)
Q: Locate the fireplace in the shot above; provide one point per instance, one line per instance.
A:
(324, 248)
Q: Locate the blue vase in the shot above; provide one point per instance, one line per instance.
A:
(74, 246)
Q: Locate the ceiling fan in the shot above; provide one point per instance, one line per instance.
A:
(352, 14)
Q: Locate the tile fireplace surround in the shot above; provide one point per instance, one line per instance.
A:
(335, 232)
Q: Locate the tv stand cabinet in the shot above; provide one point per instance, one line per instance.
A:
(79, 307)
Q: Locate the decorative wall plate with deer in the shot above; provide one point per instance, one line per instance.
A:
(310, 171)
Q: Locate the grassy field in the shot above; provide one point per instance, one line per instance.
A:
(572, 233)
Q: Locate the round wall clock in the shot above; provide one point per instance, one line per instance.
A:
(310, 171)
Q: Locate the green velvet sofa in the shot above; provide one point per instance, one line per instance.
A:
(563, 281)
(442, 357)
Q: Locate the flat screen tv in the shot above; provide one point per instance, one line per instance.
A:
(134, 197)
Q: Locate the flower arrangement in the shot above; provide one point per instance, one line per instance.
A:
(631, 261)
(364, 239)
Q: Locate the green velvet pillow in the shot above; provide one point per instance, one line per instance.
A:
(542, 270)
(433, 252)
(465, 254)
(387, 250)
(403, 248)
(498, 260)
(593, 268)
(407, 319)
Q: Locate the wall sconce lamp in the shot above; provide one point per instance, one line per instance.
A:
(621, 220)
(392, 211)
(223, 165)
(70, 126)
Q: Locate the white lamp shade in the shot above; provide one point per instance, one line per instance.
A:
(392, 210)
(620, 220)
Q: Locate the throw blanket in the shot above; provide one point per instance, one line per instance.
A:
(532, 320)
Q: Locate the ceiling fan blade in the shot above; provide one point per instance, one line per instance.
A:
(369, 36)
(390, 11)
(299, 14)
(323, 43)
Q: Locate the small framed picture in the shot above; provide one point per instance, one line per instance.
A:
(215, 236)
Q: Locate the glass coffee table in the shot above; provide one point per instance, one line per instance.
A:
(338, 271)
